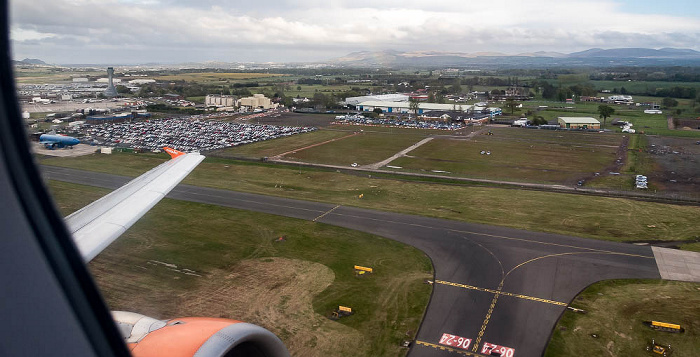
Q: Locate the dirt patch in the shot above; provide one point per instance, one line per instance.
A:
(621, 154)
(275, 293)
(678, 160)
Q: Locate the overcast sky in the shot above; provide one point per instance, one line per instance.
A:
(174, 31)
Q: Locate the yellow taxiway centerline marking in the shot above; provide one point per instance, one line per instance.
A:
(491, 291)
(327, 212)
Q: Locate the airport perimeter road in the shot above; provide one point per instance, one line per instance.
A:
(493, 285)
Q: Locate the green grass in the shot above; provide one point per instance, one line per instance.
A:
(596, 217)
(615, 311)
(653, 124)
(695, 247)
(518, 155)
(209, 239)
(269, 148)
(367, 147)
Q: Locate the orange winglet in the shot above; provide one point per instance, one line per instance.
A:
(173, 153)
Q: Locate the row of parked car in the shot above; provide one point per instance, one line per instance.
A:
(187, 135)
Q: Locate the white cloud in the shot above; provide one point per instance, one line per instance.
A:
(340, 26)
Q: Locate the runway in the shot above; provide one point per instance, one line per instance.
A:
(494, 286)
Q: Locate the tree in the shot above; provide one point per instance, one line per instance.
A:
(414, 105)
(511, 104)
(378, 110)
(121, 89)
(539, 120)
(605, 111)
(456, 87)
(669, 102)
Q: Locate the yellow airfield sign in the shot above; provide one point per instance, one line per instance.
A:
(361, 268)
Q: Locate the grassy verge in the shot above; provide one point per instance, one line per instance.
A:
(241, 272)
(695, 247)
(615, 311)
(614, 219)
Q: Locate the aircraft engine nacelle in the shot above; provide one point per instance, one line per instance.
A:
(196, 336)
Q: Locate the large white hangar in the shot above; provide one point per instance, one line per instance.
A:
(405, 107)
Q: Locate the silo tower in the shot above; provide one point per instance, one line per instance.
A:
(110, 91)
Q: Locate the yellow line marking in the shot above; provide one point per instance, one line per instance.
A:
(555, 255)
(477, 341)
(445, 348)
(327, 212)
(491, 291)
(500, 237)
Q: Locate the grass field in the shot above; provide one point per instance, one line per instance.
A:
(655, 124)
(518, 155)
(271, 148)
(365, 148)
(615, 311)
(41, 75)
(229, 265)
(587, 216)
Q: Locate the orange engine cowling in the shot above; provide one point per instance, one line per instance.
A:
(196, 336)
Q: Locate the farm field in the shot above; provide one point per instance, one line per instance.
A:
(236, 269)
(604, 218)
(615, 312)
(47, 75)
(215, 77)
(519, 155)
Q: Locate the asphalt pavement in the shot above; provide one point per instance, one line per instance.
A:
(493, 286)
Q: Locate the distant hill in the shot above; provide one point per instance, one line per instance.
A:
(32, 61)
(636, 53)
(591, 57)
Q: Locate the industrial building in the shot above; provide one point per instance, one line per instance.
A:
(257, 101)
(396, 97)
(404, 107)
(578, 123)
(216, 100)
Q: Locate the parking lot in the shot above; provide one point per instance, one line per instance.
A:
(185, 134)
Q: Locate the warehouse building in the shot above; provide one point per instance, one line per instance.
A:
(395, 97)
(405, 107)
(578, 123)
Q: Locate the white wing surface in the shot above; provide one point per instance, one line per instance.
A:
(97, 225)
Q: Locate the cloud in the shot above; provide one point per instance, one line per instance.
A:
(225, 28)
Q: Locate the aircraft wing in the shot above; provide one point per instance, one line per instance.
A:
(97, 225)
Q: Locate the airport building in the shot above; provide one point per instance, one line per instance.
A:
(578, 123)
(216, 100)
(257, 101)
(396, 97)
(404, 107)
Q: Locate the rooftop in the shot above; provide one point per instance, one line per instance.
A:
(579, 120)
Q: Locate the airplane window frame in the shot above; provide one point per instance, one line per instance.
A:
(48, 228)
